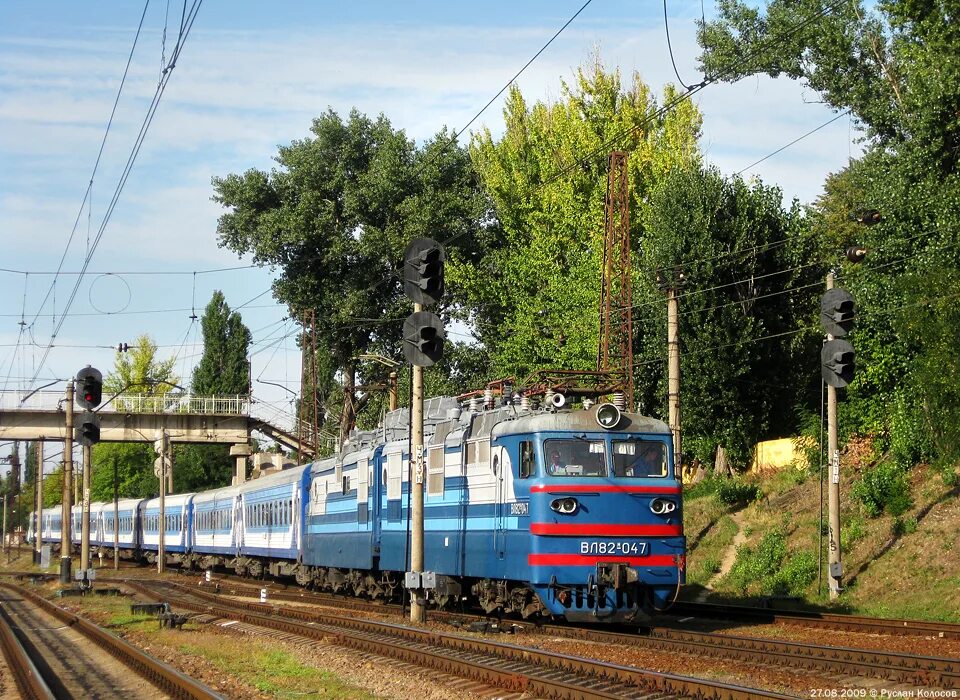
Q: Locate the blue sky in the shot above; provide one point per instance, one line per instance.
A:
(251, 77)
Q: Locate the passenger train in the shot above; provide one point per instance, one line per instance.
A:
(555, 512)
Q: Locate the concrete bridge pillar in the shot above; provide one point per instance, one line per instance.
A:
(240, 453)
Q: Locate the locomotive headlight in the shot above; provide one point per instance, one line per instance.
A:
(608, 416)
(564, 505)
(662, 506)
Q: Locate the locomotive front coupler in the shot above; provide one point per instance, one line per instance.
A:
(617, 575)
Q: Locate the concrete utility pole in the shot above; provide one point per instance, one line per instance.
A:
(392, 382)
(833, 489)
(418, 610)
(65, 534)
(673, 369)
(85, 521)
(116, 520)
(6, 544)
(162, 528)
(38, 505)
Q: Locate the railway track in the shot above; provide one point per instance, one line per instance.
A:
(836, 621)
(508, 666)
(73, 658)
(26, 675)
(924, 671)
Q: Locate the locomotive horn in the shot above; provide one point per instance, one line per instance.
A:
(558, 400)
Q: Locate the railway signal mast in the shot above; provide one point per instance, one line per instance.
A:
(89, 394)
(837, 366)
(423, 338)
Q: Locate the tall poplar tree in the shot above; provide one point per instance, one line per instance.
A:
(223, 369)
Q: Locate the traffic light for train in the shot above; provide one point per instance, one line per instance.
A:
(89, 391)
(423, 338)
(837, 363)
(837, 312)
(423, 271)
(88, 429)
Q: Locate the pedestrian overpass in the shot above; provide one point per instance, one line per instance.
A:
(186, 418)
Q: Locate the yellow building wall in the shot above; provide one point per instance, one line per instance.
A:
(776, 454)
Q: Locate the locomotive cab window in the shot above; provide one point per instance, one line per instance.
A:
(579, 457)
(639, 458)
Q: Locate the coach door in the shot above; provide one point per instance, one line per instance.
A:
(500, 464)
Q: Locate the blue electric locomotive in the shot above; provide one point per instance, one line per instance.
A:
(598, 538)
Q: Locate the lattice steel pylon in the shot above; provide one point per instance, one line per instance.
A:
(616, 294)
(308, 432)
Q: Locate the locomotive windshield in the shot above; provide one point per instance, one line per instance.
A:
(578, 457)
(639, 458)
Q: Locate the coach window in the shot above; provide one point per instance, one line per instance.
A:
(526, 459)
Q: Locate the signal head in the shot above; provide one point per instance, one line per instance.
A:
(89, 392)
(423, 271)
(423, 338)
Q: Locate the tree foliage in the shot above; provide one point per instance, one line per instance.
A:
(896, 67)
(138, 370)
(747, 341)
(532, 294)
(223, 369)
(334, 218)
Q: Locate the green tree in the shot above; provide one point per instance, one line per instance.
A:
(896, 67)
(138, 370)
(747, 343)
(334, 218)
(223, 369)
(532, 292)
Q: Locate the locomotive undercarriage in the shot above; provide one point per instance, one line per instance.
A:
(508, 597)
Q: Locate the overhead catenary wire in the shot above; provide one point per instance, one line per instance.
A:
(795, 141)
(131, 159)
(96, 163)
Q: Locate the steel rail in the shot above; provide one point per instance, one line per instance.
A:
(513, 667)
(25, 674)
(839, 621)
(941, 672)
(160, 674)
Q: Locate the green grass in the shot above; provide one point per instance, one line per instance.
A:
(704, 561)
(271, 671)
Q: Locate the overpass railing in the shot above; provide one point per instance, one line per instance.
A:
(235, 405)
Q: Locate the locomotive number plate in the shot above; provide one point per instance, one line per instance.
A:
(623, 547)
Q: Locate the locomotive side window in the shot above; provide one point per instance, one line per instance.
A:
(639, 458)
(435, 471)
(394, 474)
(578, 457)
(526, 459)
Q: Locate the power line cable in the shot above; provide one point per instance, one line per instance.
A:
(666, 26)
(128, 168)
(96, 164)
(796, 140)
